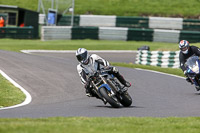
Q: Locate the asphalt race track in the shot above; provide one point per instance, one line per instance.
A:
(55, 87)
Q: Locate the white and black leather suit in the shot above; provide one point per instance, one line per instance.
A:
(193, 51)
(95, 63)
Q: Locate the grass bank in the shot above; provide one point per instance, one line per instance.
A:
(173, 8)
(9, 94)
(19, 44)
(101, 125)
(174, 71)
(22, 44)
(167, 8)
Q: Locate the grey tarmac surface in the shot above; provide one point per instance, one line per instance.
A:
(55, 87)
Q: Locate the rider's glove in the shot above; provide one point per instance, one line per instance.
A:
(114, 69)
(185, 72)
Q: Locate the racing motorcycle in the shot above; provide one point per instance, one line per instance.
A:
(108, 88)
(193, 70)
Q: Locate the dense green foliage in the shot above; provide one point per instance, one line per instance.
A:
(173, 8)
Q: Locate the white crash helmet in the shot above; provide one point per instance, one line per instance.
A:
(82, 56)
(184, 46)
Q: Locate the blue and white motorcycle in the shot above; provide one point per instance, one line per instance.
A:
(193, 70)
(107, 87)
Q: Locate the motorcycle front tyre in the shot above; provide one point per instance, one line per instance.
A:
(105, 93)
(126, 99)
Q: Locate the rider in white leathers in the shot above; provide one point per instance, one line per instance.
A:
(92, 63)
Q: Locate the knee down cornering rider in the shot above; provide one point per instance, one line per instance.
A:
(92, 63)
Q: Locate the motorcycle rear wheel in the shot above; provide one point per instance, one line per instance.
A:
(114, 103)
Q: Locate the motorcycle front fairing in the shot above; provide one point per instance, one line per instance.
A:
(193, 68)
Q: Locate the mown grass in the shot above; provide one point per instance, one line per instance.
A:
(139, 7)
(9, 94)
(174, 71)
(174, 8)
(101, 125)
(21, 44)
(17, 45)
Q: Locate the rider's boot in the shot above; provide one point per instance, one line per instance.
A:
(95, 95)
(123, 81)
(88, 93)
(104, 101)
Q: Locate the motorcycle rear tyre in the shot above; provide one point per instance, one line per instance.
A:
(109, 99)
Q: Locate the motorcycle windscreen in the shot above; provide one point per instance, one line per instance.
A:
(193, 64)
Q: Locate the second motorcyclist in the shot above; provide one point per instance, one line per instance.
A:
(187, 51)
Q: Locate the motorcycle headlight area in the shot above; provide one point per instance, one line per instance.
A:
(195, 68)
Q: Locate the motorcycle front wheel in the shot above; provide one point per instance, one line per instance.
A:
(112, 101)
(126, 99)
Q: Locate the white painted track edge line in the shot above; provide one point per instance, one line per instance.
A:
(28, 96)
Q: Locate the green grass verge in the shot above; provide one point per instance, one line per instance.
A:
(139, 7)
(17, 45)
(174, 71)
(9, 94)
(21, 44)
(101, 125)
(174, 8)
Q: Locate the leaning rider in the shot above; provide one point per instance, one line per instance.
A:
(91, 63)
(187, 51)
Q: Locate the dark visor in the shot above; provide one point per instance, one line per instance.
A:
(82, 56)
(184, 49)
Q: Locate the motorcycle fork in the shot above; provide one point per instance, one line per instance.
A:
(105, 82)
(103, 79)
(195, 80)
(112, 85)
(96, 89)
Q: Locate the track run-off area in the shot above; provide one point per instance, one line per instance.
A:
(55, 89)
